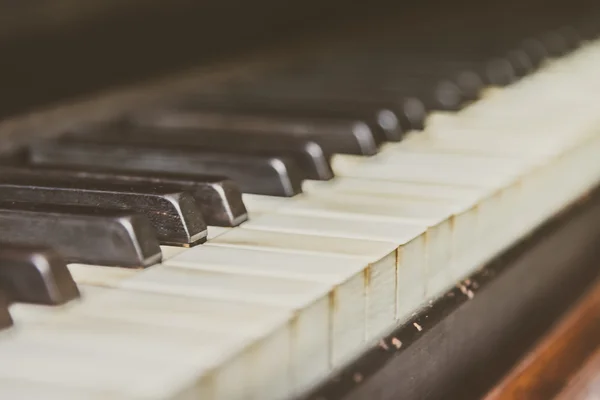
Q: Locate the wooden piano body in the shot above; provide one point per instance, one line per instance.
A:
(70, 64)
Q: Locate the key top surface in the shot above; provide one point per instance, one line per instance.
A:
(219, 199)
(275, 176)
(173, 213)
(82, 234)
(282, 105)
(35, 275)
(309, 155)
(346, 137)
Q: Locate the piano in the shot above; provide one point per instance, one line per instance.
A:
(299, 200)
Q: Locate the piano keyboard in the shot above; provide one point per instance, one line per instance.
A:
(325, 252)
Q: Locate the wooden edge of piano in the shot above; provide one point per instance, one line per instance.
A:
(466, 341)
(565, 363)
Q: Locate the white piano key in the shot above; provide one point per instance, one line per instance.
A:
(90, 369)
(348, 275)
(407, 210)
(259, 204)
(28, 390)
(410, 239)
(215, 231)
(464, 224)
(408, 280)
(415, 190)
(98, 275)
(105, 355)
(308, 300)
(171, 251)
(268, 327)
(247, 237)
(441, 218)
(490, 177)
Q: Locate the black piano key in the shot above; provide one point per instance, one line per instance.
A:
(571, 36)
(173, 213)
(275, 176)
(521, 63)
(31, 274)
(387, 117)
(391, 114)
(556, 45)
(310, 157)
(435, 93)
(82, 234)
(6, 320)
(535, 50)
(219, 199)
(335, 136)
(499, 72)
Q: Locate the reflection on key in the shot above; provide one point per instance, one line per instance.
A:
(346, 137)
(35, 275)
(308, 155)
(219, 199)
(386, 120)
(275, 176)
(82, 234)
(173, 213)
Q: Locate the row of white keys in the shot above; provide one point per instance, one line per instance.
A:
(221, 311)
(466, 201)
(361, 276)
(128, 344)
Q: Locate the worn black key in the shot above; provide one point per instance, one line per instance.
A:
(173, 213)
(219, 199)
(521, 63)
(572, 38)
(434, 94)
(386, 117)
(82, 234)
(31, 274)
(555, 43)
(389, 119)
(499, 72)
(308, 155)
(5, 318)
(335, 136)
(535, 50)
(275, 176)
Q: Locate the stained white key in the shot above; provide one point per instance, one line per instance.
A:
(447, 222)
(379, 258)
(348, 275)
(412, 274)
